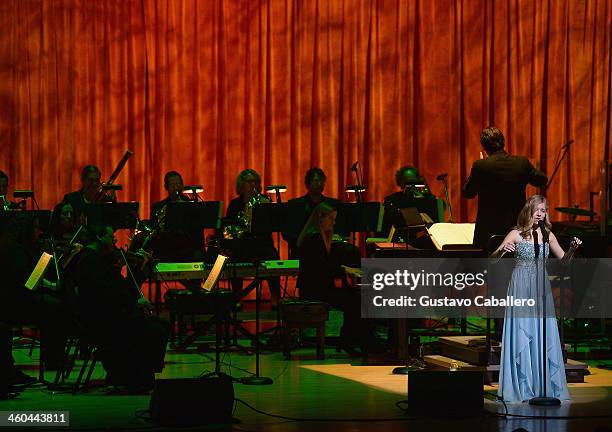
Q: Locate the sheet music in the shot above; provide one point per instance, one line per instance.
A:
(39, 271)
(215, 273)
(448, 235)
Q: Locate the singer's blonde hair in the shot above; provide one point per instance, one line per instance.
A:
(524, 222)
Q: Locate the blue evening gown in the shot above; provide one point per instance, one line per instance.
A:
(520, 376)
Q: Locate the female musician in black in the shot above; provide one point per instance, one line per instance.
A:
(249, 247)
(111, 308)
(319, 270)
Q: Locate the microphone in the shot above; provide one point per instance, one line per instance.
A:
(536, 246)
(544, 232)
(354, 166)
(442, 176)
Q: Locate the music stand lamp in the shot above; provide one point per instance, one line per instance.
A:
(195, 190)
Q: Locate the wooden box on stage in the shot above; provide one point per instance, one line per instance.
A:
(470, 349)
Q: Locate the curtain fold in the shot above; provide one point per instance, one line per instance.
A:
(210, 88)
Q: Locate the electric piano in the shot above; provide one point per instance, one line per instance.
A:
(165, 272)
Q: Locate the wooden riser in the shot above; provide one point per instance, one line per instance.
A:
(574, 370)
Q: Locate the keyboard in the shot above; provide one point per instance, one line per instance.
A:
(200, 270)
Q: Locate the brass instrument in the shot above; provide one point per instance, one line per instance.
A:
(243, 228)
(160, 217)
(4, 203)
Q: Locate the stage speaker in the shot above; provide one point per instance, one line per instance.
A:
(192, 401)
(445, 393)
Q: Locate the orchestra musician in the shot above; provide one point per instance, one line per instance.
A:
(173, 244)
(319, 270)
(5, 203)
(250, 247)
(499, 181)
(90, 184)
(20, 305)
(7, 363)
(63, 222)
(111, 308)
(3, 183)
(413, 192)
(173, 184)
(314, 180)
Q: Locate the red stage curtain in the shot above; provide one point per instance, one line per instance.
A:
(211, 87)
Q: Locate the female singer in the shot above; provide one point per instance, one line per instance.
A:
(520, 377)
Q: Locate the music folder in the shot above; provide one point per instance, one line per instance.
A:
(39, 271)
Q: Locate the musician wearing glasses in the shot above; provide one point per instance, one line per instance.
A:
(90, 185)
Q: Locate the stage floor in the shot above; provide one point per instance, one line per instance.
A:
(337, 388)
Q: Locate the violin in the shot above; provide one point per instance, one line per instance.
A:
(131, 260)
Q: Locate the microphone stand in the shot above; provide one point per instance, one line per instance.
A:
(543, 400)
(359, 191)
(565, 150)
(355, 168)
(442, 178)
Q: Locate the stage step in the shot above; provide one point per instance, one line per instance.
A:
(574, 370)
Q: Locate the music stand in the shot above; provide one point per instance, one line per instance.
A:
(359, 217)
(192, 218)
(426, 204)
(270, 217)
(117, 215)
(42, 217)
(208, 285)
(188, 215)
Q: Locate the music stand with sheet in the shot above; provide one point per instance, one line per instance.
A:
(215, 273)
(39, 271)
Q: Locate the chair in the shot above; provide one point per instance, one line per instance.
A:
(301, 314)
